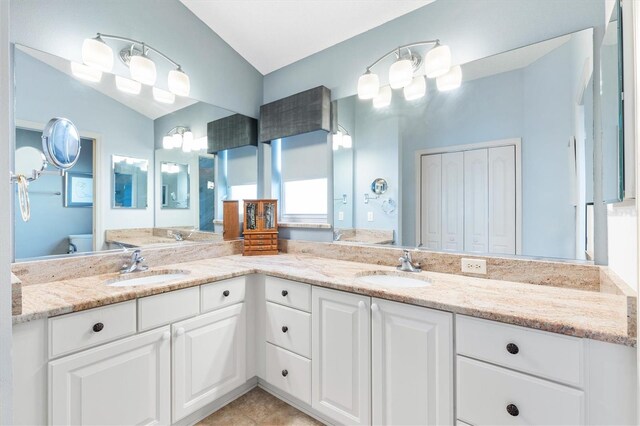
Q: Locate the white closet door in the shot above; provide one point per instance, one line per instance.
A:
(431, 199)
(476, 235)
(502, 200)
(453, 201)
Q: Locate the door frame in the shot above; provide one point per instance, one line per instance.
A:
(98, 237)
(515, 142)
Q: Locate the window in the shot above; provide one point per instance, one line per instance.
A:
(305, 200)
(241, 193)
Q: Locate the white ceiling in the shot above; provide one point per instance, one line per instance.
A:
(271, 34)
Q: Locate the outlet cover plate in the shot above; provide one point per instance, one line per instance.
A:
(474, 266)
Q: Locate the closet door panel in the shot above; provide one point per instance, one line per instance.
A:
(502, 200)
(476, 209)
(431, 200)
(453, 201)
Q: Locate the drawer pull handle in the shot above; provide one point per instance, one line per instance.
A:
(513, 410)
(512, 348)
(225, 293)
(284, 293)
(97, 327)
(285, 328)
(284, 373)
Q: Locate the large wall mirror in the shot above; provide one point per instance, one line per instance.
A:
(502, 165)
(145, 175)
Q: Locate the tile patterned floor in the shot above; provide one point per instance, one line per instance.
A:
(258, 407)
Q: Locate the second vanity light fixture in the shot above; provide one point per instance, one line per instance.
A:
(97, 57)
(341, 138)
(182, 137)
(437, 64)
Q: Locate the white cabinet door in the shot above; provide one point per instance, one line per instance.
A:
(341, 366)
(502, 200)
(126, 382)
(476, 229)
(209, 358)
(430, 201)
(453, 201)
(412, 353)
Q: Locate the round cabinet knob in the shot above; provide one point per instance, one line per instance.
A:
(166, 335)
(285, 373)
(225, 293)
(513, 410)
(512, 348)
(284, 293)
(285, 328)
(374, 307)
(97, 327)
(361, 304)
(180, 331)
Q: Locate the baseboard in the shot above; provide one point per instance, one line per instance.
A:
(207, 410)
(294, 402)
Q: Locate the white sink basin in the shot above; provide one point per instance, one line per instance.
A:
(147, 278)
(395, 280)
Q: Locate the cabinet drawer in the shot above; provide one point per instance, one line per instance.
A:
(154, 311)
(289, 329)
(259, 243)
(261, 236)
(487, 394)
(288, 293)
(81, 330)
(540, 353)
(224, 293)
(289, 372)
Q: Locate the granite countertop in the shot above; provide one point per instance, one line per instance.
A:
(571, 312)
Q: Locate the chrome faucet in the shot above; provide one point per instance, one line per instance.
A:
(134, 263)
(178, 236)
(406, 263)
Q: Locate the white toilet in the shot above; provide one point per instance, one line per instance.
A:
(80, 243)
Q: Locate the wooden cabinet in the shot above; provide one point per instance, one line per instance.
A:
(341, 368)
(412, 371)
(260, 227)
(230, 220)
(126, 382)
(209, 358)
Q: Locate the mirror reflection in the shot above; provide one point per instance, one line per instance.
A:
(175, 185)
(129, 182)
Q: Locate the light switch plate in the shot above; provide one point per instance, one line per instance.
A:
(474, 266)
(370, 216)
(340, 215)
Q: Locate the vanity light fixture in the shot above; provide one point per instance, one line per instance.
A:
(163, 96)
(86, 73)
(341, 139)
(128, 86)
(451, 80)
(402, 73)
(170, 168)
(99, 56)
(182, 137)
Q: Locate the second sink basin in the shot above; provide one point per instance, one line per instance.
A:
(395, 280)
(147, 278)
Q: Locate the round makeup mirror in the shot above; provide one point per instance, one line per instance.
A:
(61, 143)
(379, 186)
(30, 162)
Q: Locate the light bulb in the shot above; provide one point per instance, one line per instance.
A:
(347, 142)
(438, 61)
(167, 142)
(177, 140)
(143, 69)
(128, 86)
(368, 85)
(187, 141)
(179, 83)
(86, 73)
(451, 80)
(384, 98)
(400, 73)
(163, 96)
(97, 54)
(416, 89)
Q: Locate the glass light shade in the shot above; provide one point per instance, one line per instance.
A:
(167, 143)
(438, 61)
(128, 86)
(384, 98)
(368, 86)
(97, 54)
(187, 142)
(179, 83)
(347, 142)
(86, 73)
(451, 80)
(337, 140)
(400, 73)
(416, 89)
(163, 96)
(177, 140)
(143, 69)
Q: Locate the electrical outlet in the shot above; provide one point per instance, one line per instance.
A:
(370, 216)
(474, 266)
(340, 215)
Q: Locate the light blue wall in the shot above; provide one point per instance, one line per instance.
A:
(473, 29)
(51, 223)
(219, 75)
